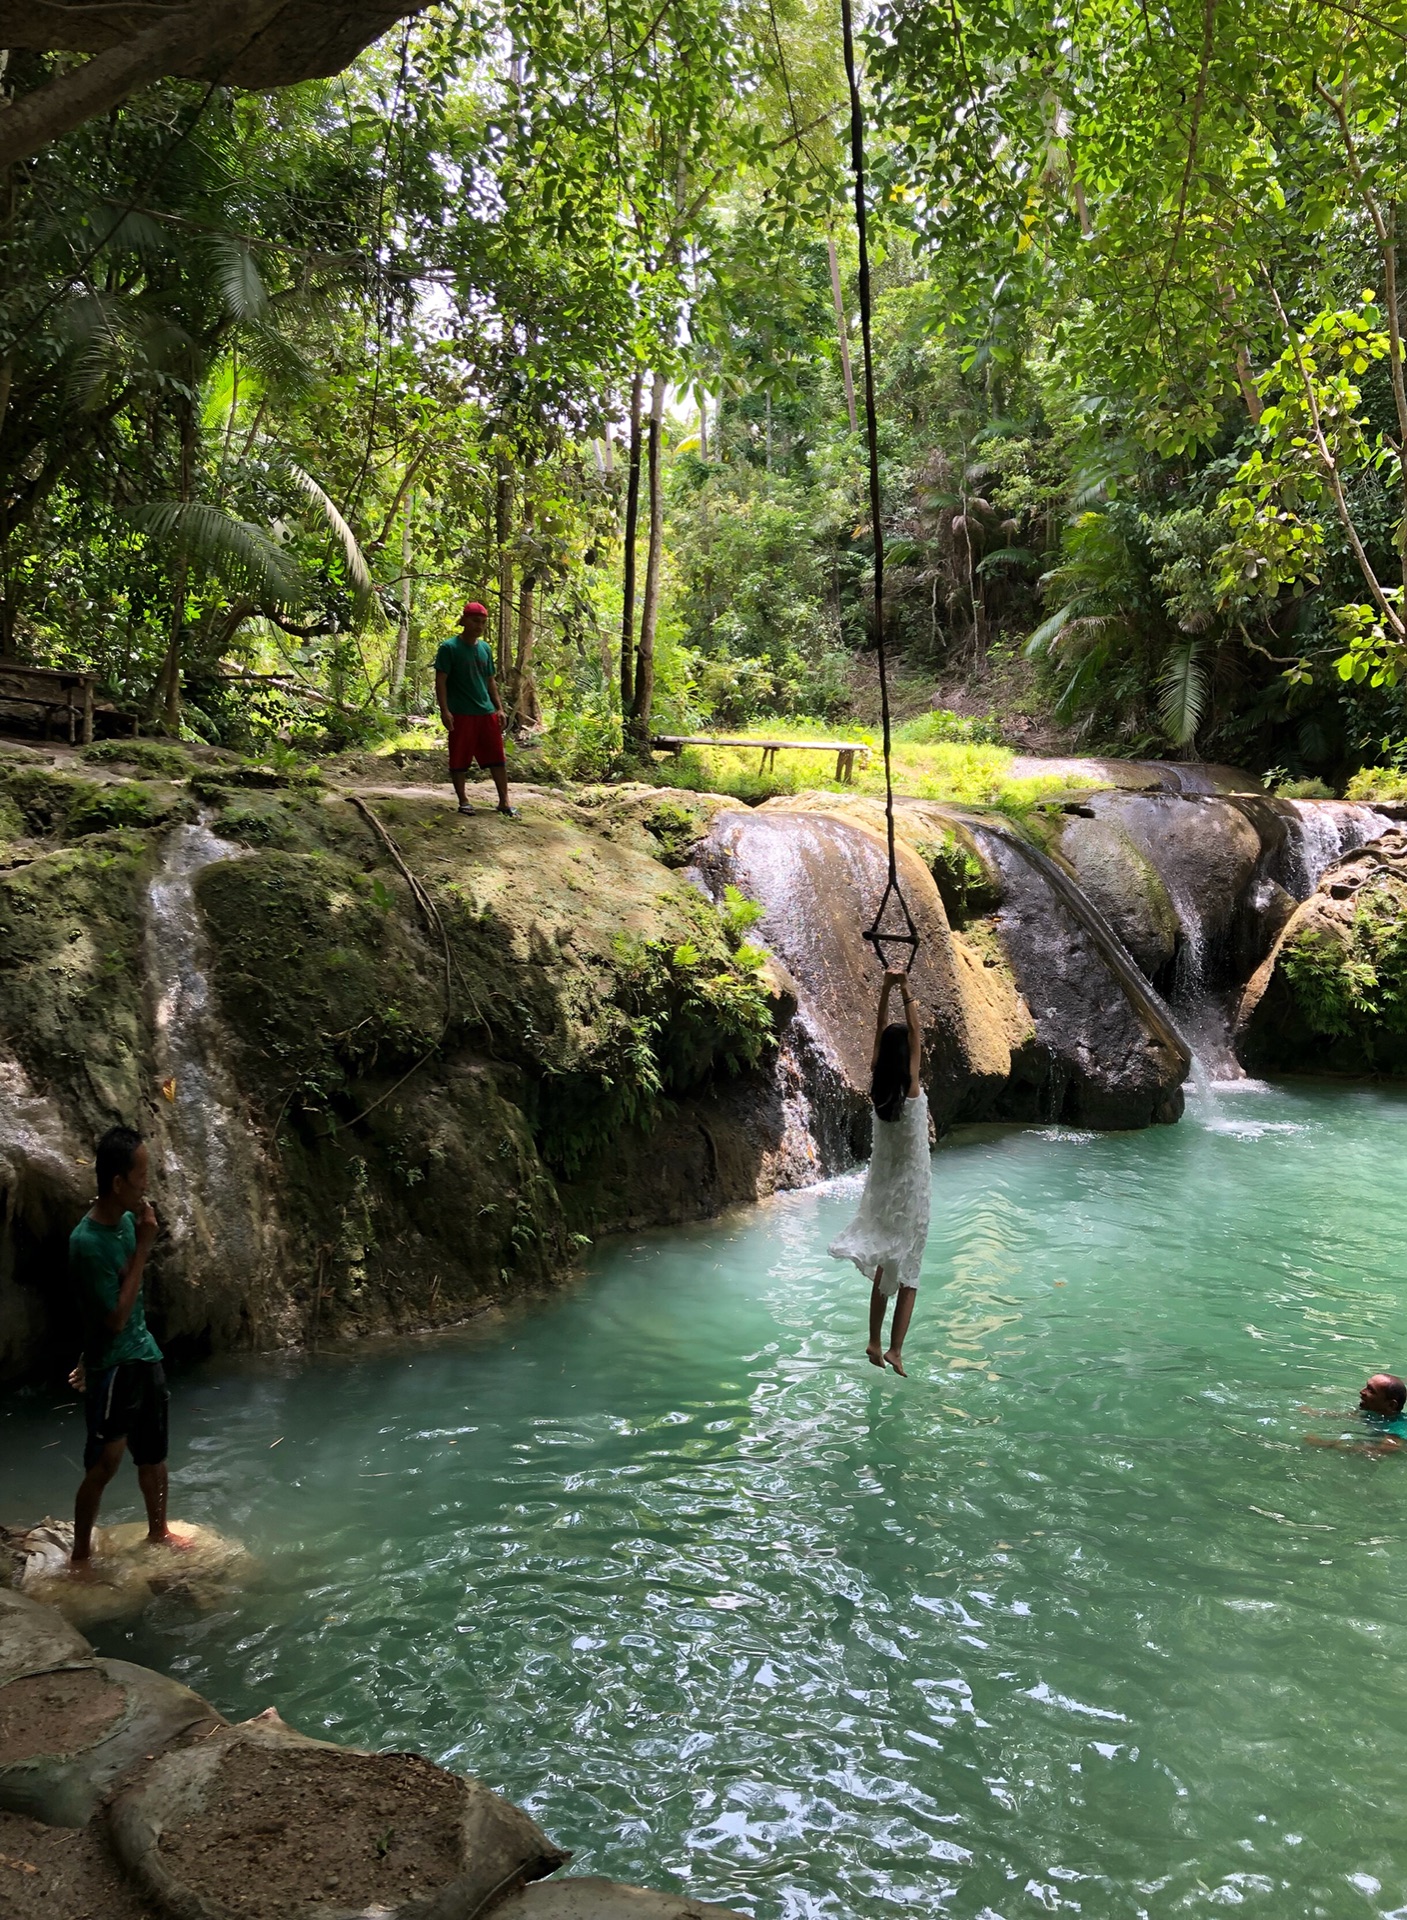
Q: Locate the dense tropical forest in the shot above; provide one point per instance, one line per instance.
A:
(555, 306)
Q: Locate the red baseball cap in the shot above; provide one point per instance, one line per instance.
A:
(475, 606)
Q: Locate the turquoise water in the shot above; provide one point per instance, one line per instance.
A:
(1070, 1621)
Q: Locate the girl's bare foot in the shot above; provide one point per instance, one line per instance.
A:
(896, 1360)
(874, 1356)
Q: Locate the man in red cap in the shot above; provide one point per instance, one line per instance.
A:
(470, 707)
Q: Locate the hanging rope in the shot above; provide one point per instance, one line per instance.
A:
(893, 924)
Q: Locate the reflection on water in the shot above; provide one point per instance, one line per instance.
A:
(1070, 1621)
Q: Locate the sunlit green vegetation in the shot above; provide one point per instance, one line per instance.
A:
(288, 377)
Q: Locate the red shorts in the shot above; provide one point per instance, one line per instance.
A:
(475, 736)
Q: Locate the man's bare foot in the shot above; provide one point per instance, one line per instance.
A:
(874, 1356)
(896, 1360)
(81, 1569)
(168, 1539)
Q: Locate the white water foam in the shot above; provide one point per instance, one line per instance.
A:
(208, 1177)
(1324, 831)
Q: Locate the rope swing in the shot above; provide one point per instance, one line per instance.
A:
(893, 924)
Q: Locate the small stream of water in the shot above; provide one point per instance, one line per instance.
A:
(1071, 1621)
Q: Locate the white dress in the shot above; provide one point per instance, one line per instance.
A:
(891, 1227)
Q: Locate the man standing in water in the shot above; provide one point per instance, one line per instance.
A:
(123, 1382)
(470, 707)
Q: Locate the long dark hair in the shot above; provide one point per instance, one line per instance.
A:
(889, 1083)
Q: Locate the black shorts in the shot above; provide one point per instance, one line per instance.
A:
(128, 1402)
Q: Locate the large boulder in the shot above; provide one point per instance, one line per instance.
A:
(1111, 1056)
(258, 1822)
(1332, 993)
(69, 1734)
(1121, 880)
(125, 1574)
(1203, 853)
(63, 1873)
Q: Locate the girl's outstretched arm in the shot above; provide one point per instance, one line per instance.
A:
(891, 974)
(915, 1038)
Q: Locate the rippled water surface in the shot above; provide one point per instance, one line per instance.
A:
(1070, 1621)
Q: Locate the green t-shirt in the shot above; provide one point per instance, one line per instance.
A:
(96, 1257)
(1393, 1423)
(468, 667)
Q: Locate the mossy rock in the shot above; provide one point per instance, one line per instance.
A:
(152, 756)
(320, 970)
(215, 785)
(1126, 887)
(71, 1002)
(291, 821)
(968, 885)
(67, 807)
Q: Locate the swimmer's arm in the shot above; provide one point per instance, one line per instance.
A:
(1385, 1445)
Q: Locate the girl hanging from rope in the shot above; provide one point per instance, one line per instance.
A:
(886, 1237)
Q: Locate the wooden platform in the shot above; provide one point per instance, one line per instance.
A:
(845, 751)
(56, 690)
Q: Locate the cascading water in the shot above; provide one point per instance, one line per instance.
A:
(1319, 833)
(210, 1187)
(795, 865)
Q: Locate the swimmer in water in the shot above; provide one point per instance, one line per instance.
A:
(1381, 1404)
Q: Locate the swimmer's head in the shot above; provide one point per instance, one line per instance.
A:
(1384, 1394)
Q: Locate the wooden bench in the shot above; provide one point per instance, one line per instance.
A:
(844, 750)
(56, 690)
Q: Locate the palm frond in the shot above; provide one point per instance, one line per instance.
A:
(1006, 557)
(246, 558)
(237, 278)
(1182, 691)
(1049, 631)
(356, 560)
(136, 232)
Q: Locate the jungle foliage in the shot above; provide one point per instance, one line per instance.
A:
(554, 305)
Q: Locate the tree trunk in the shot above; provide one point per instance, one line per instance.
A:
(170, 681)
(842, 333)
(203, 36)
(703, 424)
(643, 703)
(526, 710)
(632, 520)
(503, 527)
(403, 630)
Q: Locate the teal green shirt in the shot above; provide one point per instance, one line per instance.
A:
(468, 667)
(1395, 1424)
(96, 1257)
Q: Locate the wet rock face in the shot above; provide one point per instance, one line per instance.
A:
(1199, 856)
(360, 1121)
(819, 876)
(1023, 1016)
(1122, 881)
(1102, 1061)
(1332, 993)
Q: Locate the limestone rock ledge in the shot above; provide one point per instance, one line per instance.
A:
(127, 1796)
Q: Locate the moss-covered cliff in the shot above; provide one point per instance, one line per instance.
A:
(428, 1087)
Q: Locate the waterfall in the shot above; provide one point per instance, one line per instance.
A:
(1319, 833)
(210, 1184)
(810, 873)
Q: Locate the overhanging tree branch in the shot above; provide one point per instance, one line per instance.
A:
(211, 37)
